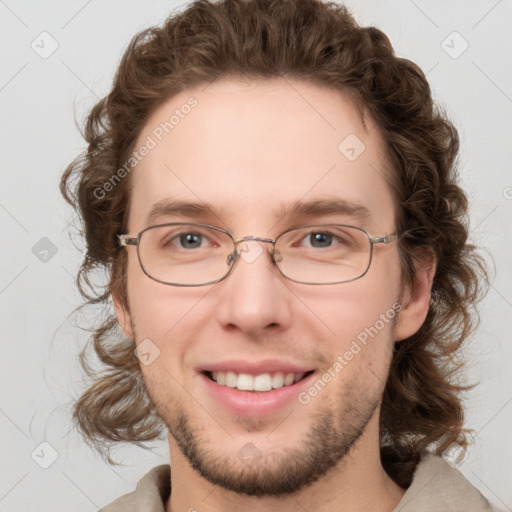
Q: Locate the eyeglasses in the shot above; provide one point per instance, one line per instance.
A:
(184, 254)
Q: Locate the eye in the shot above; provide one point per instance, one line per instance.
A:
(320, 239)
(190, 240)
(184, 240)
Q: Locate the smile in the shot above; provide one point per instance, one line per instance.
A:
(258, 393)
(262, 382)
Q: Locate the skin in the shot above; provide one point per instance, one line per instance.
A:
(248, 148)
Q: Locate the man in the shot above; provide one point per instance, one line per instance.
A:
(273, 193)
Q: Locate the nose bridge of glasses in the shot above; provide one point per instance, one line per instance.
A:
(253, 238)
(248, 252)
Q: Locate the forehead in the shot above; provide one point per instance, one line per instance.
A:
(252, 148)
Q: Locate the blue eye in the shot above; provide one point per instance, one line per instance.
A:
(190, 241)
(320, 239)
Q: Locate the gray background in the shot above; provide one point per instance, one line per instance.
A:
(39, 98)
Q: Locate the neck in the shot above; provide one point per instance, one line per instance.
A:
(356, 483)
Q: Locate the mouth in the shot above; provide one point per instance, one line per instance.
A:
(261, 383)
(258, 394)
(253, 388)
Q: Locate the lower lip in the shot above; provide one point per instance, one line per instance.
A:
(255, 403)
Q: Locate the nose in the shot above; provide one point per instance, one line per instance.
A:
(254, 298)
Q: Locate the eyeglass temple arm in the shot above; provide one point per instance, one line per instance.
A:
(125, 240)
(384, 239)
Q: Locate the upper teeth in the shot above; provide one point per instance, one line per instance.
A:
(262, 382)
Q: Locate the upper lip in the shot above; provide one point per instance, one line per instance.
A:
(255, 368)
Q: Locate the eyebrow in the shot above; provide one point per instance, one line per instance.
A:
(328, 206)
(177, 208)
(295, 209)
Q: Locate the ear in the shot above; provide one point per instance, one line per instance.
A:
(416, 297)
(123, 316)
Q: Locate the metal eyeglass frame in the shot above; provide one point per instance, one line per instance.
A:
(125, 240)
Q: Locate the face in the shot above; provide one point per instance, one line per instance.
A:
(250, 151)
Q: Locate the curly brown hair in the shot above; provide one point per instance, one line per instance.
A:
(320, 43)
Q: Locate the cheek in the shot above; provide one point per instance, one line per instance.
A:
(170, 317)
(359, 319)
(348, 309)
